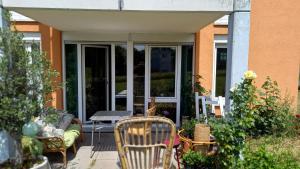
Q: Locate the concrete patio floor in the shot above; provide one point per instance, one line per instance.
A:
(105, 155)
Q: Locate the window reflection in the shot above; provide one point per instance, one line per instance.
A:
(139, 79)
(120, 76)
(163, 71)
(221, 71)
(71, 78)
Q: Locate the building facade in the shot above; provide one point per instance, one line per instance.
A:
(109, 66)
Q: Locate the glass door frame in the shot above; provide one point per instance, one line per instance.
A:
(83, 77)
(177, 94)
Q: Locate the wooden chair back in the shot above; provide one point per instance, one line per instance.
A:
(151, 111)
(152, 103)
(145, 151)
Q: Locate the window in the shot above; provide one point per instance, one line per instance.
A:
(121, 76)
(186, 80)
(163, 63)
(220, 65)
(32, 41)
(71, 78)
(139, 79)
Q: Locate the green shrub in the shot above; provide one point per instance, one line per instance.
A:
(32, 147)
(195, 159)
(230, 138)
(27, 79)
(274, 114)
(230, 132)
(254, 113)
(188, 90)
(26, 83)
(262, 158)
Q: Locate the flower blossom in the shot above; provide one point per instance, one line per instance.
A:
(250, 75)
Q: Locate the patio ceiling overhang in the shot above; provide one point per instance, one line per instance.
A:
(124, 16)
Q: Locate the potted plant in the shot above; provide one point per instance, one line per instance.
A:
(187, 133)
(32, 154)
(26, 81)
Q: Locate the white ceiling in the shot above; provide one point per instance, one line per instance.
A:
(122, 21)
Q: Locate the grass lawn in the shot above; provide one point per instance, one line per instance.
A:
(279, 145)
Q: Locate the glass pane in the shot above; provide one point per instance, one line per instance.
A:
(163, 71)
(139, 79)
(121, 77)
(95, 80)
(71, 78)
(187, 95)
(36, 46)
(221, 71)
(166, 110)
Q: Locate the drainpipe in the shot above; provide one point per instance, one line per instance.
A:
(121, 4)
(238, 45)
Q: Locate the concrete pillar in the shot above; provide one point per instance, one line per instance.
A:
(238, 45)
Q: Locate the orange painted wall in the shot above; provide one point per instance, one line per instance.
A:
(275, 42)
(51, 43)
(204, 48)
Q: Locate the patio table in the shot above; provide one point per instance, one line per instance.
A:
(101, 116)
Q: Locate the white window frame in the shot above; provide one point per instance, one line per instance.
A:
(130, 72)
(177, 93)
(113, 76)
(80, 73)
(29, 38)
(83, 78)
(219, 42)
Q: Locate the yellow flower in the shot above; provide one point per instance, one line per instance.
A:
(250, 75)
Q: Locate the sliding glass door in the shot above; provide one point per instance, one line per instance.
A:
(97, 78)
(95, 70)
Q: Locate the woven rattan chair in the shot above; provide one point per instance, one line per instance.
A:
(139, 130)
(145, 151)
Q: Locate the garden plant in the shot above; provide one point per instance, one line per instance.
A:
(26, 81)
(256, 132)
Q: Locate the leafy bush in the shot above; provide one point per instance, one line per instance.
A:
(32, 147)
(230, 138)
(244, 101)
(230, 133)
(50, 115)
(26, 81)
(16, 108)
(188, 95)
(195, 159)
(273, 113)
(254, 113)
(32, 150)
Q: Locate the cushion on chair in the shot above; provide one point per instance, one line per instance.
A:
(72, 132)
(65, 120)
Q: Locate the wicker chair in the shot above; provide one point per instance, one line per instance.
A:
(139, 130)
(145, 151)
